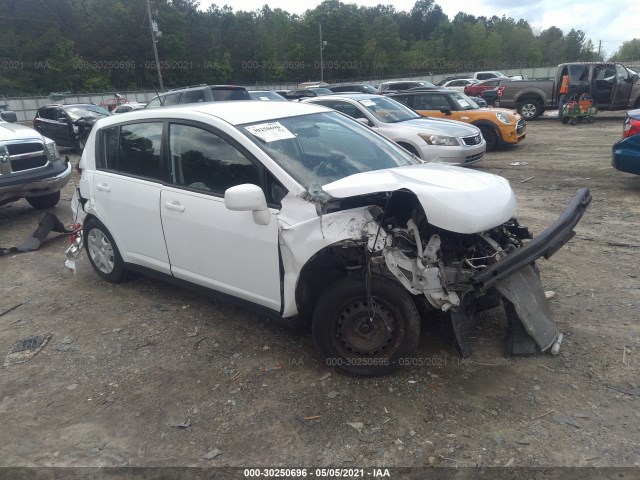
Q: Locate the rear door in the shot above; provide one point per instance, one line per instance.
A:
(127, 183)
(207, 243)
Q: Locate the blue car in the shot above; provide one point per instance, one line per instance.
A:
(626, 152)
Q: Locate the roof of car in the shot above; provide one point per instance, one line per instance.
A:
(233, 112)
(424, 90)
(345, 95)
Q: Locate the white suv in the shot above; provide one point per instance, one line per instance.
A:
(305, 213)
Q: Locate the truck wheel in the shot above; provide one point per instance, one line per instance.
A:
(358, 339)
(529, 109)
(44, 201)
(489, 137)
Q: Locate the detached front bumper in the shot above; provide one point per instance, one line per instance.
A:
(523, 296)
(544, 245)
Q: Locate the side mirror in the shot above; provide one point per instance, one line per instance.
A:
(445, 110)
(365, 121)
(634, 78)
(248, 198)
(8, 116)
(62, 119)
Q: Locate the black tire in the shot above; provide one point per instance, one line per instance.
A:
(44, 201)
(103, 252)
(490, 137)
(565, 120)
(529, 109)
(349, 341)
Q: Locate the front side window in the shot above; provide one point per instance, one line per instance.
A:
(172, 99)
(193, 96)
(203, 161)
(133, 149)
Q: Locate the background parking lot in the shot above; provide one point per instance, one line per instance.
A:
(146, 374)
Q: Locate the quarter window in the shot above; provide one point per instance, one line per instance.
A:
(206, 162)
(133, 149)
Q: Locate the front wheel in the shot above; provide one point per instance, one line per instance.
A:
(489, 137)
(529, 109)
(103, 253)
(44, 201)
(366, 334)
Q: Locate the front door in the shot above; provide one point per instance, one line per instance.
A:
(621, 88)
(208, 244)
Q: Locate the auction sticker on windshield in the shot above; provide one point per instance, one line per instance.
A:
(270, 132)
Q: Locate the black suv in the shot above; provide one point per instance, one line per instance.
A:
(68, 125)
(199, 93)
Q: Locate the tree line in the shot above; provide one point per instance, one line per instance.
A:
(103, 45)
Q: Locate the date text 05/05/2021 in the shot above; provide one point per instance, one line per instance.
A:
(325, 473)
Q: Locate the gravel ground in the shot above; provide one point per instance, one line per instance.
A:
(145, 374)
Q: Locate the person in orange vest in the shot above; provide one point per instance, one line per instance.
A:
(564, 94)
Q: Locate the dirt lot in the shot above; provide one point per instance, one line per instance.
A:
(128, 365)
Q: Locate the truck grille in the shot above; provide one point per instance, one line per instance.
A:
(475, 140)
(23, 156)
(473, 158)
(520, 126)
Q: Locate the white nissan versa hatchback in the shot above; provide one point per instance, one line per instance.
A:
(307, 214)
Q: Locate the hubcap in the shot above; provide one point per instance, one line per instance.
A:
(358, 333)
(101, 251)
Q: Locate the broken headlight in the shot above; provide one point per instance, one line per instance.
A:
(52, 151)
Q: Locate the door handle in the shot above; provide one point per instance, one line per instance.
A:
(104, 187)
(175, 205)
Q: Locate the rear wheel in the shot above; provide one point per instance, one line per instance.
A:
(44, 201)
(529, 109)
(103, 253)
(490, 137)
(363, 334)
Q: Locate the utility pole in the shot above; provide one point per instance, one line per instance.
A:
(155, 34)
(599, 50)
(322, 45)
(321, 62)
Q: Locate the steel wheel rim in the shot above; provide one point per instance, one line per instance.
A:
(355, 335)
(101, 251)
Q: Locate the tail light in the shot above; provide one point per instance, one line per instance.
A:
(500, 90)
(631, 127)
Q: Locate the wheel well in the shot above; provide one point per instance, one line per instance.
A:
(535, 99)
(323, 269)
(410, 148)
(484, 123)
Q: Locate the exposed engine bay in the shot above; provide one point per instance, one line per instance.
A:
(450, 269)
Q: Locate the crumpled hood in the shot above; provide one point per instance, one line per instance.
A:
(439, 126)
(14, 131)
(454, 198)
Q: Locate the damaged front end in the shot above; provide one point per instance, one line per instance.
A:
(465, 273)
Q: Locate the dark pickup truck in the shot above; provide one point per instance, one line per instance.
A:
(611, 85)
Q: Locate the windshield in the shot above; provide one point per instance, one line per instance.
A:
(463, 102)
(388, 110)
(320, 91)
(321, 148)
(86, 111)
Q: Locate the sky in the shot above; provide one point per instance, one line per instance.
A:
(612, 23)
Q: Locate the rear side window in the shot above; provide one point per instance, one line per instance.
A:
(172, 99)
(223, 94)
(133, 149)
(193, 96)
(201, 160)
